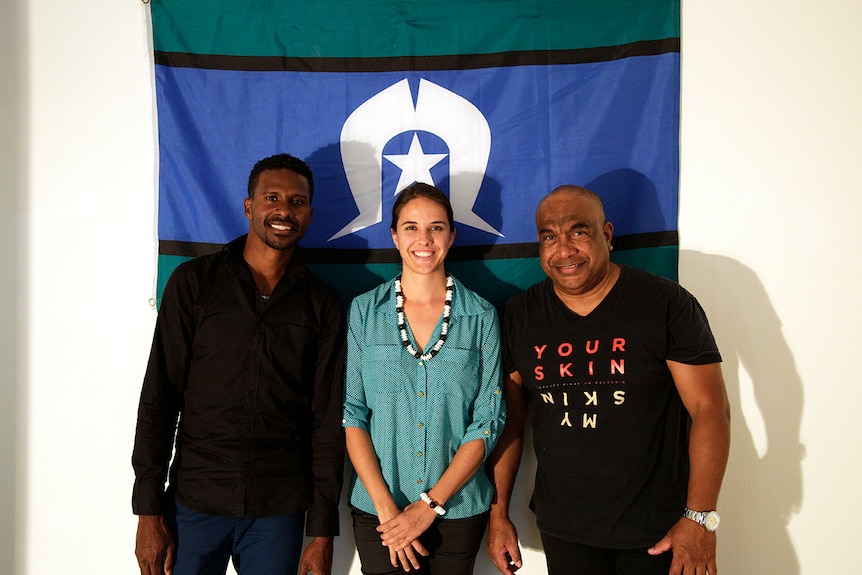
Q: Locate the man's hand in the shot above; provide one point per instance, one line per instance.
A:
(154, 546)
(693, 549)
(317, 557)
(503, 545)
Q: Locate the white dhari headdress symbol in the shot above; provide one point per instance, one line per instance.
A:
(390, 113)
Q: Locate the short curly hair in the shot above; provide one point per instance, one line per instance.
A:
(280, 162)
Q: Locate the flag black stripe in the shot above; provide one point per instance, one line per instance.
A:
(464, 253)
(418, 63)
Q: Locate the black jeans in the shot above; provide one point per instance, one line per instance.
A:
(452, 545)
(570, 558)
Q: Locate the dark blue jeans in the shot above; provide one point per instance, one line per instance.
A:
(268, 546)
(570, 558)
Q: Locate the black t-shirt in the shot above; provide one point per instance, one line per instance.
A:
(609, 429)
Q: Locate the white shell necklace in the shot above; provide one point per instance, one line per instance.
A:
(444, 329)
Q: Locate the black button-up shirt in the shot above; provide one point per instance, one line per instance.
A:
(251, 389)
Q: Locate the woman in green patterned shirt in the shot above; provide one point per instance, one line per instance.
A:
(423, 403)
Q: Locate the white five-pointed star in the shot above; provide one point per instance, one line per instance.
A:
(415, 164)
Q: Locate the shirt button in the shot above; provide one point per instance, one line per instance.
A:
(421, 425)
(421, 394)
(487, 432)
(419, 481)
(421, 363)
(419, 454)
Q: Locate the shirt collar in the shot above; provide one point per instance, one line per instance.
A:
(296, 269)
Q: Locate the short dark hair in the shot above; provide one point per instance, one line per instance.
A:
(421, 190)
(280, 162)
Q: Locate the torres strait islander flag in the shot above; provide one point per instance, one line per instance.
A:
(494, 102)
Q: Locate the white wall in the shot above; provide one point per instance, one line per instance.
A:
(771, 148)
(771, 197)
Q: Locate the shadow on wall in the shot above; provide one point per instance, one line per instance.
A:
(763, 485)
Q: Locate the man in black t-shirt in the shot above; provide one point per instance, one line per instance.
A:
(630, 416)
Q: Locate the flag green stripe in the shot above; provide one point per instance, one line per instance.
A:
(496, 280)
(393, 28)
(661, 261)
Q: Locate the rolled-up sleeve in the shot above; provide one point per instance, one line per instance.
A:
(489, 410)
(355, 412)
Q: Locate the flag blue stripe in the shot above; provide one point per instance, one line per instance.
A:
(612, 126)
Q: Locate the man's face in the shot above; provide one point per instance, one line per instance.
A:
(280, 210)
(574, 241)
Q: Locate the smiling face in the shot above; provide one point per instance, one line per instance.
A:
(574, 241)
(423, 236)
(279, 210)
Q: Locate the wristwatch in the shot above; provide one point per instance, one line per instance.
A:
(709, 519)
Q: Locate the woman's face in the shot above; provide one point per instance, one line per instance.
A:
(423, 235)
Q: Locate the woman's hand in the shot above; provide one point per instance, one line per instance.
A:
(402, 530)
(404, 556)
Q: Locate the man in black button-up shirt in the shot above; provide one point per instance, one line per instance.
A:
(246, 375)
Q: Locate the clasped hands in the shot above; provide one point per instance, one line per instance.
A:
(400, 534)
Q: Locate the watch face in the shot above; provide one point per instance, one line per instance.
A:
(711, 521)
